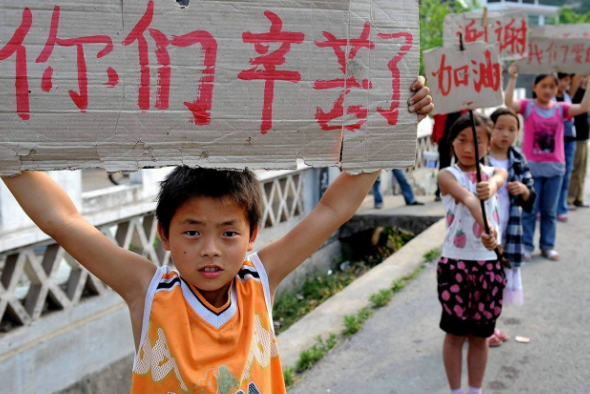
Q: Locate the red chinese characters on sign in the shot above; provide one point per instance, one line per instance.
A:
(345, 85)
(511, 36)
(556, 53)
(269, 66)
(201, 106)
(79, 98)
(475, 32)
(15, 46)
(269, 62)
(486, 74)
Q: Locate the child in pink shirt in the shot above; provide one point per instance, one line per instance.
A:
(544, 149)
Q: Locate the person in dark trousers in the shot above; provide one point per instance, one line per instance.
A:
(575, 197)
(569, 144)
(407, 191)
(440, 136)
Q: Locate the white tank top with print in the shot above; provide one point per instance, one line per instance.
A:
(463, 239)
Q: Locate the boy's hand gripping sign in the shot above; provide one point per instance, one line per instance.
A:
(135, 83)
(467, 79)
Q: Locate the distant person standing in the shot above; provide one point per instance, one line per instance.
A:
(569, 145)
(575, 197)
(407, 191)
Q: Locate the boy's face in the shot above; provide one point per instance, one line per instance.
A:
(505, 131)
(208, 239)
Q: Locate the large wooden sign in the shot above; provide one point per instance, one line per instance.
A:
(467, 79)
(135, 83)
(507, 29)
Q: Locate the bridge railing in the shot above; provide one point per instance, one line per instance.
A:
(42, 278)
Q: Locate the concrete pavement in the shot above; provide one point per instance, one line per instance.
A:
(399, 350)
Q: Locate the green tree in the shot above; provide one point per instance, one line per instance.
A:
(569, 15)
(432, 17)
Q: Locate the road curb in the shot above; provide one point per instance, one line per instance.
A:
(328, 317)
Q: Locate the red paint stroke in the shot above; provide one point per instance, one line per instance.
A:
(15, 45)
(46, 82)
(270, 61)
(392, 114)
(113, 78)
(201, 106)
(137, 34)
(339, 46)
(81, 98)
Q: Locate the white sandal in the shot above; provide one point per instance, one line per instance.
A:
(550, 254)
(527, 256)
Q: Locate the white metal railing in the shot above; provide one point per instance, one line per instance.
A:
(40, 278)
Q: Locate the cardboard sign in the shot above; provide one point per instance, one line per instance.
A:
(581, 30)
(466, 79)
(508, 29)
(571, 55)
(135, 83)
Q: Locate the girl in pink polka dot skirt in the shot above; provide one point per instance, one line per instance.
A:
(470, 278)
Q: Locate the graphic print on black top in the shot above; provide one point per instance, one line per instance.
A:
(544, 137)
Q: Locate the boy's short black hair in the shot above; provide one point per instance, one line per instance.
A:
(185, 183)
(504, 111)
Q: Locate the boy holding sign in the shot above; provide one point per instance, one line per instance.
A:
(208, 326)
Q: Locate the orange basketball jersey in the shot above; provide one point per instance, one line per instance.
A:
(189, 346)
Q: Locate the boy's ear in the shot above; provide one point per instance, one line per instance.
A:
(253, 238)
(163, 236)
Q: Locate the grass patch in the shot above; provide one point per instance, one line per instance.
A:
(289, 377)
(381, 298)
(352, 323)
(309, 357)
(292, 305)
(432, 254)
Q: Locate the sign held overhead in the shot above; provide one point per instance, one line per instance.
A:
(133, 84)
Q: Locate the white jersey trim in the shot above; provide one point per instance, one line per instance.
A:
(147, 308)
(265, 286)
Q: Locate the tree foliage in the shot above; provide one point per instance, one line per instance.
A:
(432, 17)
(569, 15)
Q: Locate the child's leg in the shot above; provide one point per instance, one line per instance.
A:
(548, 205)
(477, 358)
(453, 359)
(529, 219)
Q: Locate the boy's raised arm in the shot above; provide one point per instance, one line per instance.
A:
(52, 210)
(338, 205)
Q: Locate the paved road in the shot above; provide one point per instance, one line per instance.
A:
(399, 349)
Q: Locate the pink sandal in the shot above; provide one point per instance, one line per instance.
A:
(494, 341)
(503, 337)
